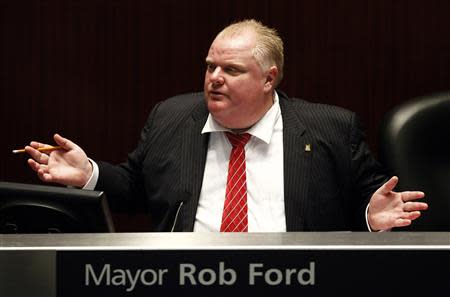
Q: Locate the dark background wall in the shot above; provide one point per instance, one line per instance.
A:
(92, 70)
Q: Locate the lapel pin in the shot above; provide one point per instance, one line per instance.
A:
(307, 147)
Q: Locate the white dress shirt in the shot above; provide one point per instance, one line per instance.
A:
(265, 182)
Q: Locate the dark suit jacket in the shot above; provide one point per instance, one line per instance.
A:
(326, 189)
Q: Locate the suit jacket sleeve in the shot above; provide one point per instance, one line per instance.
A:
(367, 174)
(151, 180)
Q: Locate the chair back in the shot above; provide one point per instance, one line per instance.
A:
(415, 146)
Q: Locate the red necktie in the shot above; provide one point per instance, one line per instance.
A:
(234, 217)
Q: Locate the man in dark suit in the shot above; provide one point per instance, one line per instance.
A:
(300, 166)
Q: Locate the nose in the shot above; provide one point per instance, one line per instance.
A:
(216, 77)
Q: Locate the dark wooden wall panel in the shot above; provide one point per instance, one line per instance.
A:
(92, 69)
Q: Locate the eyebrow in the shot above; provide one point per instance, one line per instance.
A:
(230, 64)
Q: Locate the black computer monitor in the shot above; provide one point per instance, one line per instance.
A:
(27, 208)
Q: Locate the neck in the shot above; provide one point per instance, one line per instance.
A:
(240, 131)
(243, 130)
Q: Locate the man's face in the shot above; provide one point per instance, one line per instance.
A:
(237, 91)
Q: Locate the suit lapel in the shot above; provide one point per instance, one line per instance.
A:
(193, 157)
(297, 161)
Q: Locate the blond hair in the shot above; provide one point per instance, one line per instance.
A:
(268, 50)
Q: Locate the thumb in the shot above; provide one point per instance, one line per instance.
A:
(64, 142)
(389, 185)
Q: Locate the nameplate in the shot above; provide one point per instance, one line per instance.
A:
(250, 273)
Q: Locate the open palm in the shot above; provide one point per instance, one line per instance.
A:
(68, 166)
(389, 209)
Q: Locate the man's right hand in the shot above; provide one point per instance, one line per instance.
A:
(68, 166)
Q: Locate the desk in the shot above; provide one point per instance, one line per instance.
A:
(218, 264)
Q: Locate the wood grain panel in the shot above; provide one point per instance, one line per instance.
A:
(92, 69)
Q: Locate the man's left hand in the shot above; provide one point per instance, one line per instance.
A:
(389, 209)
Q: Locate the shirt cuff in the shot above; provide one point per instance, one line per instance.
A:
(92, 182)
(367, 218)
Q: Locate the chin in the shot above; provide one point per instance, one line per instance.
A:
(218, 115)
(216, 106)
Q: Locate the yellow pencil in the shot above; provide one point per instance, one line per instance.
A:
(41, 149)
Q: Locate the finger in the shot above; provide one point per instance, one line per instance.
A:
(37, 166)
(411, 195)
(402, 222)
(37, 155)
(33, 164)
(64, 142)
(37, 145)
(411, 215)
(45, 176)
(413, 206)
(43, 169)
(388, 186)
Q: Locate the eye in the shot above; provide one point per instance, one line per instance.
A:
(210, 67)
(232, 71)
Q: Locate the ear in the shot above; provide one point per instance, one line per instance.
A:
(271, 76)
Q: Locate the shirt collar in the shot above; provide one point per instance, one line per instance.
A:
(263, 129)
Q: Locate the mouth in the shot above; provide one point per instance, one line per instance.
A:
(215, 94)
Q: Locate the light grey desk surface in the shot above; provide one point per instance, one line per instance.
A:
(294, 240)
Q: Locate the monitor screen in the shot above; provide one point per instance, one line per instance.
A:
(27, 208)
